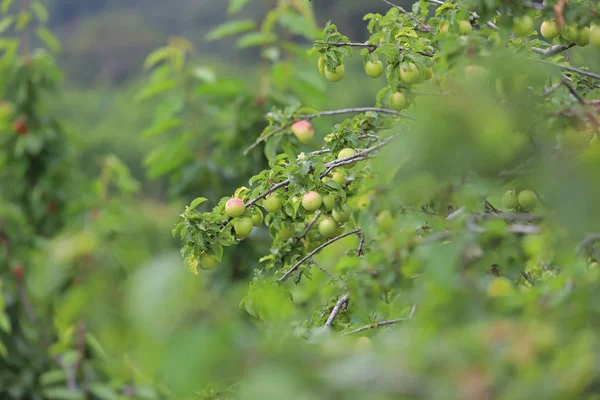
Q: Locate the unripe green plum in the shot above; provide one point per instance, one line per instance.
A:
(522, 26)
(464, 27)
(341, 214)
(595, 35)
(328, 227)
(444, 27)
(345, 153)
(528, 200)
(272, 203)
(374, 68)
(510, 200)
(583, 38)
(243, 227)
(235, 207)
(208, 261)
(397, 101)
(428, 73)
(337, 75)
(286, 232)
(339, 177)
(500, 287)
(303, 131)
(549, 30)
(570, 33)
(329, 201)
(311, 201)
(410, 74)
(385, 221)
(257, 218)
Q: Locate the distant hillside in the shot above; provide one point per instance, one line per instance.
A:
(107, 40)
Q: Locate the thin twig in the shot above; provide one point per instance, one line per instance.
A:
(575, 70)
(383, 323)
(410, 15)
(310, 225)
(588, 240)
(564, 81)
(313, 262)
(553, 50)
(370, 46)
(361, 244)
(336, 309)
(325, 113)
(472, 14)
(315, 251)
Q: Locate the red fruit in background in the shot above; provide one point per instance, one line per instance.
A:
(21, 127)
(18, 272)
(52, 206)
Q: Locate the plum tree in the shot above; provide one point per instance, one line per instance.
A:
(374, 68)
(272, 203)
(549, 30)
(328, 227)
(303, 131)
(311, 201)
(243, 227)
(235, 207)
(397, 101)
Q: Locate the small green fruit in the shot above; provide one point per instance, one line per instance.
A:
(397, 101)
(410, 74)
(528, 200)
(337, 75)
(595, 35)
(584, 37)
(311, 201)
(341, 214)
(428, 73)
(272, 203)
(444, 27)
(235, 207)
(339, 177)
(208, 261)
(328, 227)
(329, 201)
(510, 200)
(345, 153)
(257, 218)
(243, 227)
(549, 30)
(286, 232)
(385, 221)
(374, 68)
(464, 27)
(522, 26)
(570, 33)
(303, 131)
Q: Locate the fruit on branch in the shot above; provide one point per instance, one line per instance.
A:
(363, 343)
(345, 153)
(595, 35)
(570, 33)
(243, 227)
(374, 68)
(528, 200)
(272, 203)
(583, 39)
(500, 287)
(549, 30)
(397, 101)
(20, 126)
(385, 221)
(303, 131)
(235, 207)
(18, 272)
(339, 177)
(208, 261)
(341, 214)
(464, 27)
(329, 201)
(311, 201)
(444, 27)
(428, 73)
(337, 75)
(522, 26)
(321, 64)
(410, 74)
(328, 227)
(286, 232)
(510, 200)
(258, 217)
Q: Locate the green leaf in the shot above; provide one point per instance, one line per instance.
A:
(6, 5)
(3, 350)
(48, 38)
(197, 202)
(63, 394)
(157, 56)
(52, 377)
(104, 392)
(155, 89)
(40, 11)
(23, 20)
(230, 28)
(6, 23)
(256, 39)
(162, 126)
(236, 5)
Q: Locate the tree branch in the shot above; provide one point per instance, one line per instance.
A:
(325, 113)
(553, 50)
(426, 28)
(313, 262)
(370, 46)
(315, 251)
(336, 309)
(310, 225)
(383, 323)
(472, 14)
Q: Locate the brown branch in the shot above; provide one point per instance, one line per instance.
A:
(313, 262)
(310, 225)
(321, 114)
(559, 9)
(553, 50)
(410, 15)
(315, 251)
(383, 323)
(336, 309)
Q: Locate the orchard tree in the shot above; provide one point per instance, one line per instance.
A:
(464, 201)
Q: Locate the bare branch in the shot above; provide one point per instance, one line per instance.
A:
(315, 251)
(588, 240)
(313, 262)
(336, 309)
(310, 225)
(564, 81)
(553, 50)
(361, 244)
(384, 323)
(325, 113)
(574, 70)
(370, 46)
(410, 15)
